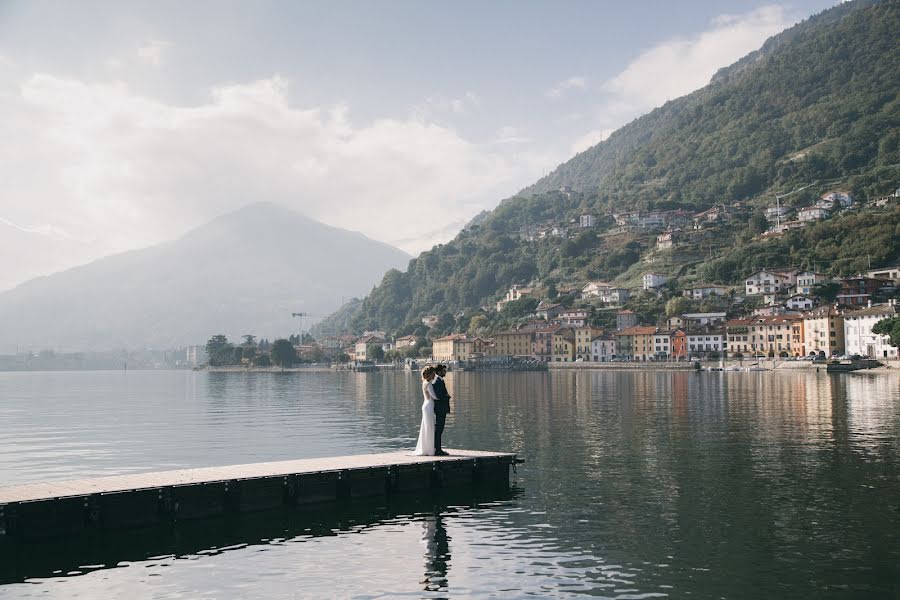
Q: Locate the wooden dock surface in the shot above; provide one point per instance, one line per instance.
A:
(32, 492)
(142, 499)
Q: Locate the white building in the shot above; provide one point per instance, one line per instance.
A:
(773, 213)
(807, 280)
(615, 295)
(841, 197)
(701, 342)
(858, 336)
(603, 349)
(697, 319)
(892, 273)
(196, 355)
(593, 289)
(799, 302)
(586, 220)
(654, 280)
(812, 213)
(700, 291)
(766, 282)
(574, 317)
(662, 344)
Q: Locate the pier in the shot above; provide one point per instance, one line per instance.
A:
(145, 499)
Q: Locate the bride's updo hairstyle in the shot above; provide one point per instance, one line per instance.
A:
(427, 372)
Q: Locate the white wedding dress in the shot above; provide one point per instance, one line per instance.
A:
(425, 445)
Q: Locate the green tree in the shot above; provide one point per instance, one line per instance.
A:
(283, 353)
(219, 350)
(249, 340)
(889, 327)
(376, 352)
(262, 360)
(677, 306)
(758, 222)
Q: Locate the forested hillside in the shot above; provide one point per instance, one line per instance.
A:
(816, 108)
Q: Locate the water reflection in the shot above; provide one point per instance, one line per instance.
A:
(778, 484)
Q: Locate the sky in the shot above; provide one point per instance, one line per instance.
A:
(126, 124)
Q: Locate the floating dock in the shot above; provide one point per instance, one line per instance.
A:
(146, 499)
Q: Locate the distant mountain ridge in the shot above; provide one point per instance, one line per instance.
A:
(243, 272)
(816, 106)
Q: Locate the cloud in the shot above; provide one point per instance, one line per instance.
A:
(110, 164)
(439, 106)
(577, 82)
(510, 135)
(681, 65)
(152, 52)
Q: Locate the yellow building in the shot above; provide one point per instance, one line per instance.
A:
(512, 343)
(636, 342)
(583, 337)
(467, 347)
(824, 330)
(772, 335)
(564, 345)
(449, 347)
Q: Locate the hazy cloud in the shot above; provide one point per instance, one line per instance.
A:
(684, 64)
(577, 82)
(111, 164)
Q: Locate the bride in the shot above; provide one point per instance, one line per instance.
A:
(425, 446)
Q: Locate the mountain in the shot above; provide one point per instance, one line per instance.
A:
(243, 272)
(816, 108)
(48, 251)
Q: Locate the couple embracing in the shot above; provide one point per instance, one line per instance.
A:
(434, 411)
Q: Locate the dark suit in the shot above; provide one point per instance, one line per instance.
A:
(441, 408)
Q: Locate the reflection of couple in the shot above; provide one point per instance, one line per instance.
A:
(434, 411)
(437, 554)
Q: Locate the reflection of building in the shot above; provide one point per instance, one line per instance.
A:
(858, 335)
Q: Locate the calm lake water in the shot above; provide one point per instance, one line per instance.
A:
(636, 485)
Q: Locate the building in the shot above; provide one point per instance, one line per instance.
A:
(776, 213)
(365, 347)
(564, 345)
(662, 344)
(737, 337)
(858, 336)
(593, 289)
(843, 198)
(807, 280)
(625, 319)
(767, 281)
(603, 348)
(892, 273)
(702, 342)
(823, 329)
(548, 311)
(860, 291)
(771, 336)
(679, 345)
(471, 347)
(542, 343)
(516, 292)
(584, 336)
(654, 280)
(668, 239)
(811, 213)
(407, 341)
(615, 295)
(799, 302)
(430, 320)
(512, 343)
(798, 337)
(586, 220)
(574, 317)
(635, 342)
(704, 290)
(196, 355)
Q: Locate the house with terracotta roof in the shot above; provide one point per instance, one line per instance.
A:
(635, 342)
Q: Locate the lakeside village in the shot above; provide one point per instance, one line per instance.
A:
(780, 313)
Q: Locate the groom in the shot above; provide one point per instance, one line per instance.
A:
(441, 407)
